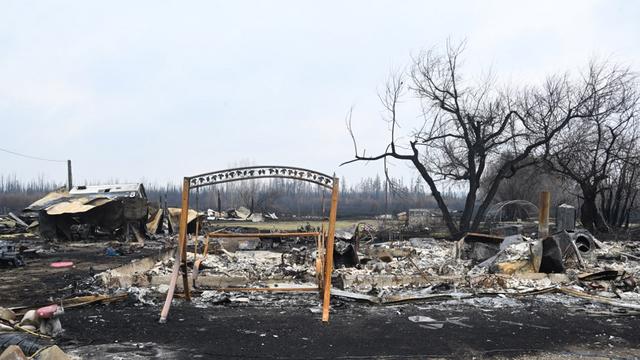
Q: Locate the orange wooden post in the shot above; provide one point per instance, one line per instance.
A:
(184, 222)
(181, 258)
(328, 267)
(319, 268)
(195, 243)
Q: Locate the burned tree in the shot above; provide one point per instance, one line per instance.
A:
(595, 149)
(620, 191)
(527, 183)
(468, 126)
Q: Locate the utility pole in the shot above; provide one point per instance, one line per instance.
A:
(69, 177)
(219, 204)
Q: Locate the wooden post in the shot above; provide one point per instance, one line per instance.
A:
(328, 266)
(184, 222)
(319, 262)
(172, 286)
(195, 242)
(181, 255)
(543, 214)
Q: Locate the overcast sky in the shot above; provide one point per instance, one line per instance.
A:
(156, 90)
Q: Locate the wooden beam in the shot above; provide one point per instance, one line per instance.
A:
(181, 255)
(195, 242)
(275, 289)
(319, 262)
(197, 262)
(184, 223)
(262, 235)
(328, 267)
(172, 288)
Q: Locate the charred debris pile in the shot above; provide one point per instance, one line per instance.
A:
(569, 263)
(370, 265)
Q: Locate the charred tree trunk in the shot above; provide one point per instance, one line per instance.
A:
(590, 217)
(446, 215)
(628, 211)
(621, 185)
(469, 207)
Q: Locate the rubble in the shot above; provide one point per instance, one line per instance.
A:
(90, 212)
(240, 214)
(13, 352)
(478, 265)
(433, 324)
(49, 317)
(481, 272)
(52, 353)
(12, 224)
(9, 255)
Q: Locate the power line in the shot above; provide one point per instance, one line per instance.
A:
(31, 157)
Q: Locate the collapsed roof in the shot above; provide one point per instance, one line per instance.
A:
(81, 199)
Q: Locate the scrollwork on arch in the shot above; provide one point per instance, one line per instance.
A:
(260, 172)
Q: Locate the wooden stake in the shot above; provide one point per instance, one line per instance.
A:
(195, 243)
(328, 267)
(181, 255)
(319, 249)
(172, 287)
(184, 222)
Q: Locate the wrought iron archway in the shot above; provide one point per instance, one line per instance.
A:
(260, 172)
(250, 173)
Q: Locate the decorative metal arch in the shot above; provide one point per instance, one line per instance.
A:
(260, 172)
(248, 173)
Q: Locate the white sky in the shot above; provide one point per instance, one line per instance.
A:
(156, 90)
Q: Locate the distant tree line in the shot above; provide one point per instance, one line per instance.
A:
(368, 197)
(617, 198)
(17, 194)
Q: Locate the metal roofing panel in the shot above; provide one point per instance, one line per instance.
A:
(77, 206)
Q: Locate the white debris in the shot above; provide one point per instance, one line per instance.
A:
(142, 295)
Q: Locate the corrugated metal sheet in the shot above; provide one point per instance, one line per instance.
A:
(48, 200)
(175, 214)
(77, 205)
(80, 198)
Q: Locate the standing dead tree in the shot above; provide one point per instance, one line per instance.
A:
(527, 184)
(597, 147)
(468, 126)
(620, 191)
